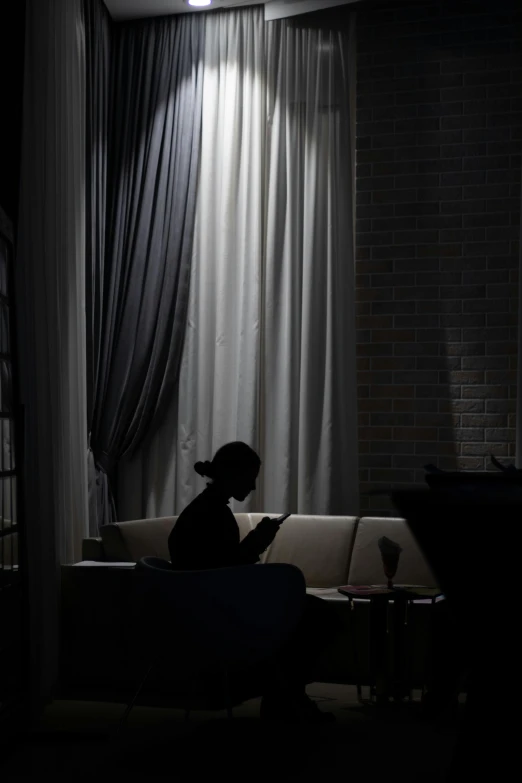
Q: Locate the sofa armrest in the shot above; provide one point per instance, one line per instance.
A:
(101, 614)
(92, 549)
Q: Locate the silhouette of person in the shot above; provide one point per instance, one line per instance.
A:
(206, 536)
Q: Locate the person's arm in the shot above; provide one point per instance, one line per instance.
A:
(248, 550)
(254, 544)
(209, 541)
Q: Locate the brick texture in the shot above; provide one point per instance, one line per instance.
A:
(439, 141)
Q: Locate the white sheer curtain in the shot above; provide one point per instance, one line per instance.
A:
(219, 382)
(269, 354)
(309, 429)
(51, 314)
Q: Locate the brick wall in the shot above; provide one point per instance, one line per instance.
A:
(439, 120)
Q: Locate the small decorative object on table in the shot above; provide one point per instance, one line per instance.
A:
(390, 553)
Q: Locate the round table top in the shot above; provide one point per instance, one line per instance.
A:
(407, 592)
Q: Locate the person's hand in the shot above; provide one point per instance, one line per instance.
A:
(265, 532)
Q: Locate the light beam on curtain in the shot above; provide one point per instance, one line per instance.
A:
(51, 315)
(218, 395)
(269, 354)
(219, 382)
(154, 143)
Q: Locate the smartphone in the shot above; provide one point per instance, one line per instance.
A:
(281, 519)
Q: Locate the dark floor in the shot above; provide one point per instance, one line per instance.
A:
(77, 740)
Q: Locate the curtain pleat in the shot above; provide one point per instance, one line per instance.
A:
(219, 381)
(140, 307)
(518, 433)
(98, 38)
(98, 32)
(51, 315)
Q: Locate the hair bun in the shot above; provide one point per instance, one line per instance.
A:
(204, 469)
(199, 467)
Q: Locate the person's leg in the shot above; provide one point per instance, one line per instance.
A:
(281, 682)
(296, 664)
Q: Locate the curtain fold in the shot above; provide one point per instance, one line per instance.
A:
(141, 304)
(98, 33)
(518, 409)
(50, 290)
(219, 382)
(269, 355)
(309, 431)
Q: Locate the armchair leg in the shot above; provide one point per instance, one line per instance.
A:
(132, 702)
(226, 689)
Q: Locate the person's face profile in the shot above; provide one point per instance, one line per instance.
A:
(245, 484)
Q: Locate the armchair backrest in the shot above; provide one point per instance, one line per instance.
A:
(227, 616)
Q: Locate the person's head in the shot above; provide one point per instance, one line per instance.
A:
(233, 470)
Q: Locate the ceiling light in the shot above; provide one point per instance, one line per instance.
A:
(199, 3)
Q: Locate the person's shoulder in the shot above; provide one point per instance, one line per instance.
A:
(187, 519)
(198, 506)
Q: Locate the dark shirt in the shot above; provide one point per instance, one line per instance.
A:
(206, 535)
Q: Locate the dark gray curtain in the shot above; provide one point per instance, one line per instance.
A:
(98, 31)
(518, 420)
(141, 287)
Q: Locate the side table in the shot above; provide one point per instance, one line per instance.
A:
(389, 617)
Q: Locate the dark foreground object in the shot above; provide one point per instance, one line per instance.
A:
(479, 574)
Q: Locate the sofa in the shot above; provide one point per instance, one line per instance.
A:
(101, 608)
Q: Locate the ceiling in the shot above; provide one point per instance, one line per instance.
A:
(134, 9)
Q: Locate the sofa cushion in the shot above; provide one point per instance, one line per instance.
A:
(366, 564)
(130, 541)
(319, 546)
